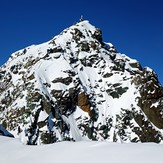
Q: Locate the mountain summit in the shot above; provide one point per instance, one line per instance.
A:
(77, 87)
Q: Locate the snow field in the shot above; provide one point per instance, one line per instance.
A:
(13, 151)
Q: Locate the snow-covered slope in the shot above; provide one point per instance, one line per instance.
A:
(12, 151)
(77, 87)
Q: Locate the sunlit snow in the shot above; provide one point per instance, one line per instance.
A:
(13, 151)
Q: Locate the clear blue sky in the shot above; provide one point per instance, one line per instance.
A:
(135, 27)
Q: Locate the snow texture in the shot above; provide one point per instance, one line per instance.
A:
(12, 151)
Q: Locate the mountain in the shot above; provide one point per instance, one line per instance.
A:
(77, 87)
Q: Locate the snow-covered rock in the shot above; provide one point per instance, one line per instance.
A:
(77, 87)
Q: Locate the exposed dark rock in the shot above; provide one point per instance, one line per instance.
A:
(77, 35)
(136, 65)
(66, 81)
(57, 49)
(107, 75)
(84, 46)
(98, 35)
(93, 45)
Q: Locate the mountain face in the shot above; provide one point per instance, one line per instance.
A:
(77, 87)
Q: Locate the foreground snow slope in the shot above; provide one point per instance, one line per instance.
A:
(12, 151)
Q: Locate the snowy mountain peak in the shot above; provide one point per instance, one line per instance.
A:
(77, 87)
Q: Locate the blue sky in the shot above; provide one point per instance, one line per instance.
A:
(135, 27)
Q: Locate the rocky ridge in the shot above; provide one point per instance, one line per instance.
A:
(77, 87)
